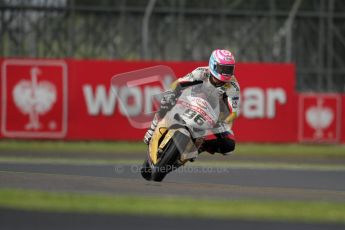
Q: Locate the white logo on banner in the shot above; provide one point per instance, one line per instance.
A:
(34, 98)
(319, 118)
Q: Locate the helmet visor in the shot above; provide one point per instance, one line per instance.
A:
(225, 69)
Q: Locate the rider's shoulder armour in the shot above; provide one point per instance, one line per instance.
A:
(199, 74)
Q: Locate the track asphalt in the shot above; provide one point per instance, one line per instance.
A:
(25, 220)
(189, 181)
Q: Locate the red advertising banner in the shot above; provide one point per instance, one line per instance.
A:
(319, 117)
(97, 111)
(34, 99)
(268, 103)
(75, 100)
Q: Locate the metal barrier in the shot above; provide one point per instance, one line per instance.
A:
(308, 33)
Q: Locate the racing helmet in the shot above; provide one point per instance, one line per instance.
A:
(222, 66)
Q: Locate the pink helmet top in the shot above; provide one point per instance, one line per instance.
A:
(222, 65)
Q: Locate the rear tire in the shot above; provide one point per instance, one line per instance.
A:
(171, 154)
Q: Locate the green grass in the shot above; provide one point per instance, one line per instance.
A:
(260, 150)
(297, 211)
(296, 150)
(78, 146)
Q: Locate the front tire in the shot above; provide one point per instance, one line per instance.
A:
(171, 154)
(146, 171)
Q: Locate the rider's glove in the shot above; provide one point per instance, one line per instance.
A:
(220, 91)
(168, 100)
(219, 128)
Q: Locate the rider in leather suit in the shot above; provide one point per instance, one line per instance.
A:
(220, 72)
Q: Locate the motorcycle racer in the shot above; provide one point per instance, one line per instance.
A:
(220, 73)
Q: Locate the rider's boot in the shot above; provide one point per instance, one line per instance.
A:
(207, 147)
(150, 130)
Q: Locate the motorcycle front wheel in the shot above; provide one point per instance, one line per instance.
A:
(146, 171)
(168, 160)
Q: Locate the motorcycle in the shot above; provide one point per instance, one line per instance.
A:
(179, 135)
